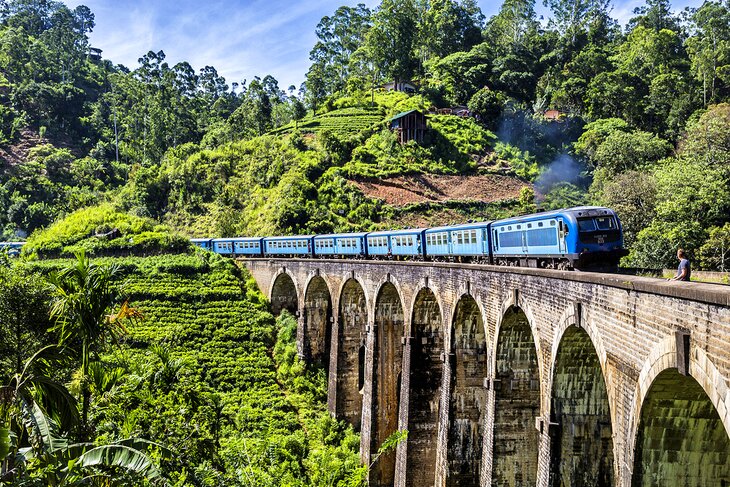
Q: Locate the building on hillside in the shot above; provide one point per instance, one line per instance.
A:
(554, 115)
(404, 86)
(95, 53)
(409, 126)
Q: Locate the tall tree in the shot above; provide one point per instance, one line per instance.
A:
(709, 48)
(656, 14)
(507, 30)
(572, 17)
(340, 35)
(85, 307)
(449, 26)
(392, 39)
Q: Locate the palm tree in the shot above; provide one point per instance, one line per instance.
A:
(23, 420)
(84, 295)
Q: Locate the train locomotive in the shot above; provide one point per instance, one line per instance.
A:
(583, 238)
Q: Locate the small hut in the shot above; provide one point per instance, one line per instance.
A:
(94, 53)
(409, 125)
(554, 115)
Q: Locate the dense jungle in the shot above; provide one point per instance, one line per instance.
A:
(130, 358)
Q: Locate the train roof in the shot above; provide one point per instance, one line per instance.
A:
(460, 226)
(409, 231)
(574, 211)
(342, 235)
(291, 237)
(236, 239)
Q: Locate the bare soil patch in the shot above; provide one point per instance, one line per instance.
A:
(431, 188)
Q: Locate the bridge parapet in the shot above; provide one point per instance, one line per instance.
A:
(567, 367)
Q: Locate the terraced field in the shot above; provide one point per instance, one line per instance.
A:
(345, 121)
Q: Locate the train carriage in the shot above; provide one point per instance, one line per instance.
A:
(397, 243)
(12, 248)
(248, 246)
(222, 246)
(203, 243)
(341, 245)
(297, 246)
(470, 241)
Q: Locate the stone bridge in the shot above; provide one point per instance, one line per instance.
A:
(517, 377)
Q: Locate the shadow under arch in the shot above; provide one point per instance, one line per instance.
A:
(387, 367)
(284, 294)
(317, 322)
(581, 436)
(426, 371)
(352, 334)
(516, 441)
(680, 438)
(468, 401)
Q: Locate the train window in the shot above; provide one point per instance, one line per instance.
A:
(539, 224)
(509, 227)
(473, 236)
(605, 223)
(519, 227)
(552, 223)
(586, 225)
(529, 225)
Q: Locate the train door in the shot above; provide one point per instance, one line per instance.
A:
(485, 241)
(524, 242)
(561, 237)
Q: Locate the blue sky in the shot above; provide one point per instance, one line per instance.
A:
(241, 38)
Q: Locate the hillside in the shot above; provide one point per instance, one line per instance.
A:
(430, 188)
(208, 373)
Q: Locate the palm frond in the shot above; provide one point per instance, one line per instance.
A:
(120, 456)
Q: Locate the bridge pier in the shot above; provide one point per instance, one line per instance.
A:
(516, 384)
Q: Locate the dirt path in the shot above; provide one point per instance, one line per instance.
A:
(423, 188)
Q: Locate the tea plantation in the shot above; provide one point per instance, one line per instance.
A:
(210, 374)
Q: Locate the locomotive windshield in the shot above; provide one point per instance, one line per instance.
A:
(598, 229)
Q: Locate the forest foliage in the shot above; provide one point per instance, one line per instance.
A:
(577, 104)
(202, 387)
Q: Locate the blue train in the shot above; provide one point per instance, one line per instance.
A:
(12, 248)
(585, 238)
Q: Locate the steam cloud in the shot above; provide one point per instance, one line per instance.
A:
(563, 169)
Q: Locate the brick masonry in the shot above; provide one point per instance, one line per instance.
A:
(600, 343)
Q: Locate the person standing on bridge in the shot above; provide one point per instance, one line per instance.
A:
(684, 271)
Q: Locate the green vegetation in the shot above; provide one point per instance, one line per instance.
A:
(579, 107)
(203, 378)
(343, 122)
(101, 231)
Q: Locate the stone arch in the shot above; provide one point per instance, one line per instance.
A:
(517, 402)
(426, 371)
(468, 401)
(680, 440)
(697, 398)
(284, 294)
(387, 366)
(526, 308)
(581, 446)
(352, 335)
(317, 322)
(664, 356)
